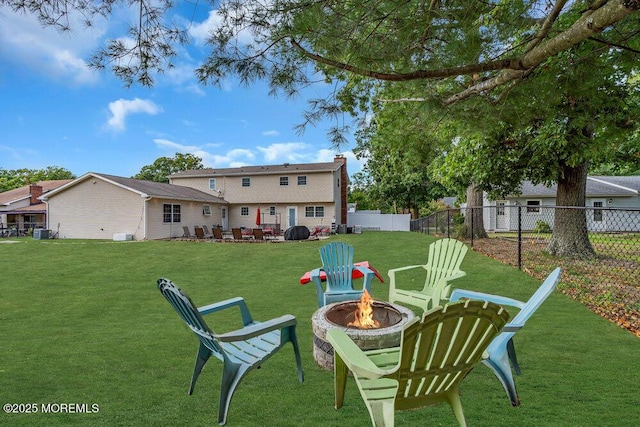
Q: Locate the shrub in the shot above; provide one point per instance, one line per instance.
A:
(542, 227)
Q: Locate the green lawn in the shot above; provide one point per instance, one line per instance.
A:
(82, 322)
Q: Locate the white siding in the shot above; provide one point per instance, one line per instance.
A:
(95, 209)
(190, 213)
(265, 191)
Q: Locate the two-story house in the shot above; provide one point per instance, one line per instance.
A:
(309, 194)
(100, 206)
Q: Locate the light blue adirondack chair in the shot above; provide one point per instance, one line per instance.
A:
(502, 350)
(337, 264)
(443, 266)
(435, 355)
(241, 350)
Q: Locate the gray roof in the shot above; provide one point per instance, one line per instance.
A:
(261, 170)
(605, 186)
(152, 189)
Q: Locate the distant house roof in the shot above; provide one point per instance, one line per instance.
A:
(21, 193)
(603, 186)
(146, 189)
(261, 170)
(449, 201)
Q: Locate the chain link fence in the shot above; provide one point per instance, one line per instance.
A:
(608, 282)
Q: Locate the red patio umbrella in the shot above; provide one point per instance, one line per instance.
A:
(258, 217)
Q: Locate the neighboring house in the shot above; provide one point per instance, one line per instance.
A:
(99, 206)
(308, 194)
(20, 208)
(602, 192)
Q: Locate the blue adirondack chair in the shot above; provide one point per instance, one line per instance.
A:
(241, 350)
(501, 350)
(337, 264)
(435, 355)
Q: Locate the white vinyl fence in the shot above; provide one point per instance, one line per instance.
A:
(378, 221)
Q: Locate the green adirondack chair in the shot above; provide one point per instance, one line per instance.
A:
(338, 266)
(443, 266)
(241, 350)
(502, 351)
(435, 355)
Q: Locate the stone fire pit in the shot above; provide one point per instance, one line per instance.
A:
(392, 318)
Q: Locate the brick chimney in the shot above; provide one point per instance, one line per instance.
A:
(344, 182)
(35, 191)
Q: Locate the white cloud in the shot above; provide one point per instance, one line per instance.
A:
(48, 51)
(121, 108)
(271, 133)
(353, 164)
(291, 152)
(233, 158)
(201, 31)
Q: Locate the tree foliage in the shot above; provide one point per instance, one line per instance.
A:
(398, 154)
(483, 48)
(160, 170)
(10, 179)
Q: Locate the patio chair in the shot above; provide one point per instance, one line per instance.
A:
(186, 232)
(435, 355)
(242, 350)
(443, 266)
(237, 233)
(199, 233)
(338, 266)
(207, 233)
(502, 351)
(217, 233)
(258, 234)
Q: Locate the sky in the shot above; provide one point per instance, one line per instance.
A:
(56, 111)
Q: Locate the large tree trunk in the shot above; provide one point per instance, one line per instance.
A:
(474, 213)
(570, 235)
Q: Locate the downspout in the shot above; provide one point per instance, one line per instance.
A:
(46, 203)
(144, 216)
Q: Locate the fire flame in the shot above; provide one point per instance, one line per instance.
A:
(364, 313)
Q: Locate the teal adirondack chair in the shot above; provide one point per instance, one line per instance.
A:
(434, 356)
(502, 350)
(337, 264)
(241, 350)
(443, 266)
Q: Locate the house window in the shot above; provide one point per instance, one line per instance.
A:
(206, 210)
(272, 210)
(533, 206)
(284, 180)
(244, 211)
(171, 213)
(597, 213)
(29, 221)
(246, 182)
(212, 183)
(302, 180)
(314, 211)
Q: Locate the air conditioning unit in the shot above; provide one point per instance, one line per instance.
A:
(40, 234)
(122, 237)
